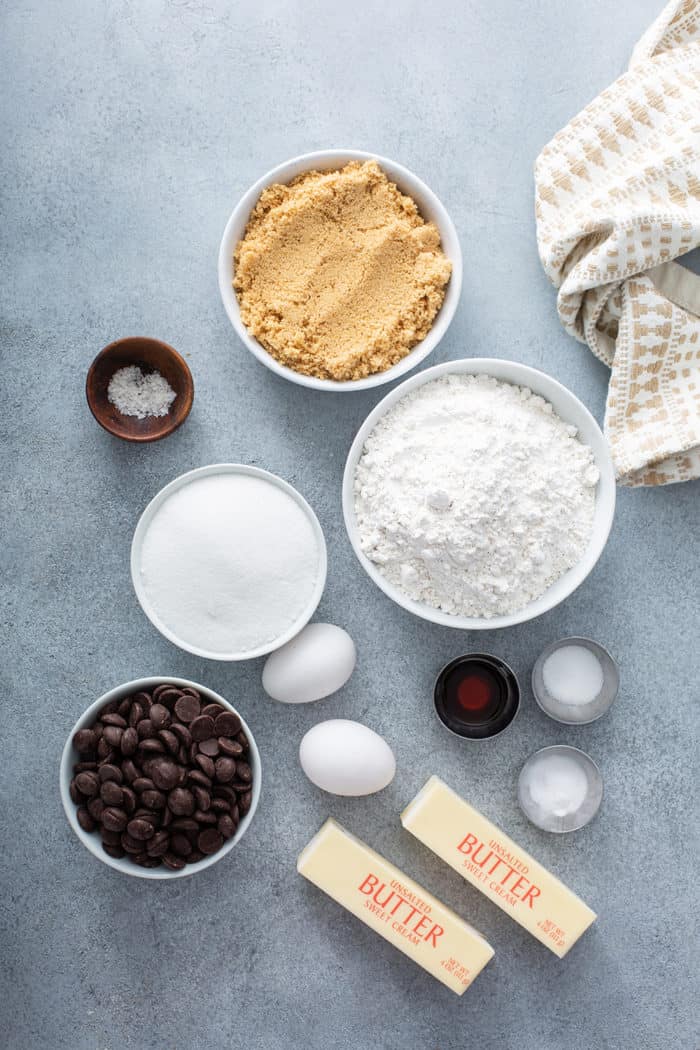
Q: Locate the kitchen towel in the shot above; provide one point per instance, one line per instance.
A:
(617, 199)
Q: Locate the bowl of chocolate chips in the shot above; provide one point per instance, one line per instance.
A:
(160, 778)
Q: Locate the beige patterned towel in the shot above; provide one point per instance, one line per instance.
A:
(618, 197)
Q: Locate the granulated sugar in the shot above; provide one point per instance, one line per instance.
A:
(230, 563)
(473, 496)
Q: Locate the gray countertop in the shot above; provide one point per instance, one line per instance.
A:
(131, 130)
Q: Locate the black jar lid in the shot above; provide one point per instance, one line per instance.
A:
(476, 696)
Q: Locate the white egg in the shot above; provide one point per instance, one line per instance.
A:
(315, 664)
(346, 758)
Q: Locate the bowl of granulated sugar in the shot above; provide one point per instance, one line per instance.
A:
(228, 562)
(139, 389)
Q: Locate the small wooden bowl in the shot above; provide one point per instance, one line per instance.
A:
(150, 355)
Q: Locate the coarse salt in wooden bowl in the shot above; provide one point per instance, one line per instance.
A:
(150, 355)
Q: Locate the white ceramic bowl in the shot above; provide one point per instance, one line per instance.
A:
(92, 841)
(570, 409)
(328, 160)
(146, 519)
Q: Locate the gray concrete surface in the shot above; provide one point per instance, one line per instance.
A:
(130, 130)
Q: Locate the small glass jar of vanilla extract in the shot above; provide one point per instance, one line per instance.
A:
(476, 696)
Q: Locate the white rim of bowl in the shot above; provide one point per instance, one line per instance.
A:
(180, 482)
(91, 841)
(407, 182)
(522, 375)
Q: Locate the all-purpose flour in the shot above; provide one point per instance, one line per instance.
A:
(473, 496)
(229, 563)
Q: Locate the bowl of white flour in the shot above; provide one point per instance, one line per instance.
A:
(228, 562)
(479, 494)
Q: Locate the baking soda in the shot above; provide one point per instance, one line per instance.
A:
(573, 675)
(557, 784)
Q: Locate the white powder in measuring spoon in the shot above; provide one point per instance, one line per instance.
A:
(557, 784)
(473, 496)
(230, 563)
(572, 675)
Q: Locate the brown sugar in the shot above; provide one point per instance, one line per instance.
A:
(337, 275)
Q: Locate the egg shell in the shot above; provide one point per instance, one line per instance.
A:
(346, 758)
(314, 664)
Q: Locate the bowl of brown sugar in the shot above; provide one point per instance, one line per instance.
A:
(340, 270)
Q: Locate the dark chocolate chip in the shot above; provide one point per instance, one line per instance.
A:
(140, 829)
(202, 727)
(114, 720)
(113, 851)
(226, 826)
(108, 771)
(152, 746)
(172, 744)
(181, 802)
(187, 707)
(84, 741)
(165, 774)
(145, 729)
(206, 765)
(112, 735)
(226, 769)
(212, 710)
(86, 822)
(153, 800)
(244, 772)
(130, 771)
(87, 783)
(227, 724)
(103, 748)
(111, 793)
(180, 844)
(204, 818)
(186, 824)
(196, 776)
(182, 732)
(114, 819)
(221, 805)
(160, 717)
(136, 713)
(210, 841)
(172, 861)
(158, 844)
(209, 747)
(230, 747)
(129, 741)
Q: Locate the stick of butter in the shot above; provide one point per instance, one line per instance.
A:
(497, 866)
(394, 906)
